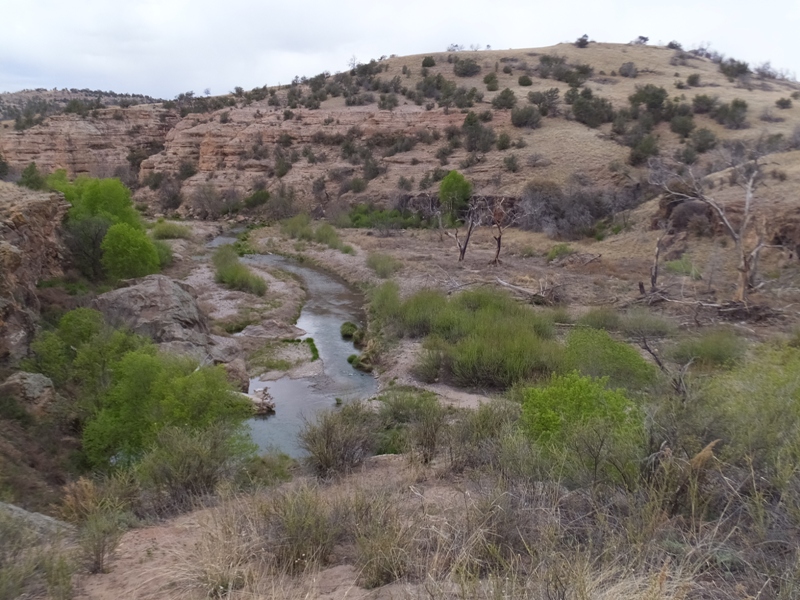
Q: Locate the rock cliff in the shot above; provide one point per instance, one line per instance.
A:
(30, 250)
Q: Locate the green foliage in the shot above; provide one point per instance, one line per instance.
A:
(595, 353)
(783, 103)
(733, 68)
(503, 141)
(641, 323)
(645, 148)
(128, 252)
(109, 199)
(682, 266)
(526, 116)
(164, 251)
(184, 464)
(234, 275)
(384, 265)
(454, 192)
(491, 82)
(428, 62)
(339, 440)
(32, 178)
(693, 80)
(703, 140)
(348, 330)
(602, 317)
(714, 348)
(525, 81)
(703, 103)
(511, 163)
(466, 67)
(682, 125)
(559, 251)
(732, 115)
(298, 228)
(505, 100)
(652, 97)
(367, 216)
(4, 168)
(169, 230)
(597, 431)
(592, 110)
(256, 199)
(152, 391)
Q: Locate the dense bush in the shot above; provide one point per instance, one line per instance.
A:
(703, 103)
(428, 62)
(524, 81)
(645, 148)
(703, 140)
(526, 116)
(384, 265)
(780, 103)
(714, 348)
(592, 110)
(547, 101)
(682, 125)
(628, 69)
(169, 230)
(595, 353)
(505, 99)
(32, 178)
(454, 193)
(491, 82)
(732, 115)
(128, 252)
(732, 68)
(466, 67)
(151, 392)
(234, 275)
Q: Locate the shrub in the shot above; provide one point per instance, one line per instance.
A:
(593, 352)
(703, 103)
(492, 84)
(732, 115)
(339, 440)
(234, 275)
(98, 538)
(167, 230)
(301, 528)
(683, 126)
(454, 192)
(32, 178)
(592, 110)
(732, 68)
(466, 67)
(186, 169)
(559, 251)
(504, 100)
(597, 430)
(185, 464)
(641, 323)
(164, 251)
(384, 265)
(524, 81)
(348, 330)
(298, 228)
(643, 150)
(4, 168)
(526, 116)
(601, 318)
(703, 140)
(682, 266)
(715, 348)
(628, 69)
(256, 199)
(582, 41)
(428, 62)
(128, 252)
(693, 80)
(503, 141)
(511, 163)
(783, 103)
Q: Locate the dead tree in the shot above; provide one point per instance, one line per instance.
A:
(745, 171)
(473, 217)
(502, 218)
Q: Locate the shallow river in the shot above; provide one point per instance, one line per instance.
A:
(329, 303)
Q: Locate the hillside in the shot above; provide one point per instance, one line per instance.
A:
(271, 139)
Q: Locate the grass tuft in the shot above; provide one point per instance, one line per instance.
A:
(167, 230)
(234, 275)
(384, 265)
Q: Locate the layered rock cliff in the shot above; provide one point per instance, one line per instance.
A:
(30, 250)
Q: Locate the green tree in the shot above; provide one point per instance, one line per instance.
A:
(109, 199)
(128, 252)
(454, 193)
(151, 392)
(505, 99)
(32, 178)
(4, 168)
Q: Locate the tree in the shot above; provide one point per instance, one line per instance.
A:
(501, 217)
(684, 183)
(455, 197)
(32, 178)
(454, 193)
(128, 252)
(3, 168)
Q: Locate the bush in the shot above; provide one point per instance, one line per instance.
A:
(597, 430)
(183, 464)
(339, 440)
(601, 318)
(683, 126)
(783, 103)
(643, 150)
(466, 67)
(628, 69)
(164, 251)
(256, 199)
(732, 115)
(98, 537)
(384, 265)
(298, 228)
(559, 251)
(234, 275)
(526, 116)
(524, 81)
(167, 230)
(703, 103)
(703, 140)
(504, 100)
(511, 163)
(641, 323)
(693, 80)
(503, 141)
(454, 193)
(428, 62)
(715, 348)
(492, 84)
(128, 252)
(32, 178)
(594, 353)
(4, 168)
(732, 68)
(592, 110)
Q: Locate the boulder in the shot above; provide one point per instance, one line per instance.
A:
(33, 391)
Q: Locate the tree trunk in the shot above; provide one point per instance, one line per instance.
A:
(743, 280)
(462, 248)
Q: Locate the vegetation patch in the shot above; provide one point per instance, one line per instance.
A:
(234, 275)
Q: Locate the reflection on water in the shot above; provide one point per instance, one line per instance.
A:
(330, 302)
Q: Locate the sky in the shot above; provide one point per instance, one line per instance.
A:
(164, 47)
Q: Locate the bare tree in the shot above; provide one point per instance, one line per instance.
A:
(502, 218)
(744, 166)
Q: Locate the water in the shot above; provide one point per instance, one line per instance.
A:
(329, 303)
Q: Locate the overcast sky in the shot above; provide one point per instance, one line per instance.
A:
(164, 47)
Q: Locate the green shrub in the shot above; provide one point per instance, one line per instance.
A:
(301, 528)
(503, 141)
(384, 265)
(185, 464)
(783, 103)
(601, 318)
(733, 68)
(505, 100)
(492, 84)
(98, 537)
(597, 431)
(234, 275)
(682, 266)
(628, 69)
(703, 140)
(594, 353)
(703, 103)
(715, 348)
(32, 178)
(525, 81)
(128, 252)
(644, 149)
(326, 234)
(732, 115)
(454, 193)
(693, 80)
(164, 251)
(466, 67)
(298, 228)
(150, 392)
(256, 199)
(428, 62)
(559, 251)
(475, 437)
(642, 323)
(526, 116)
(682, 125)
(167, 230)
(339, 440)
(348, 330)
